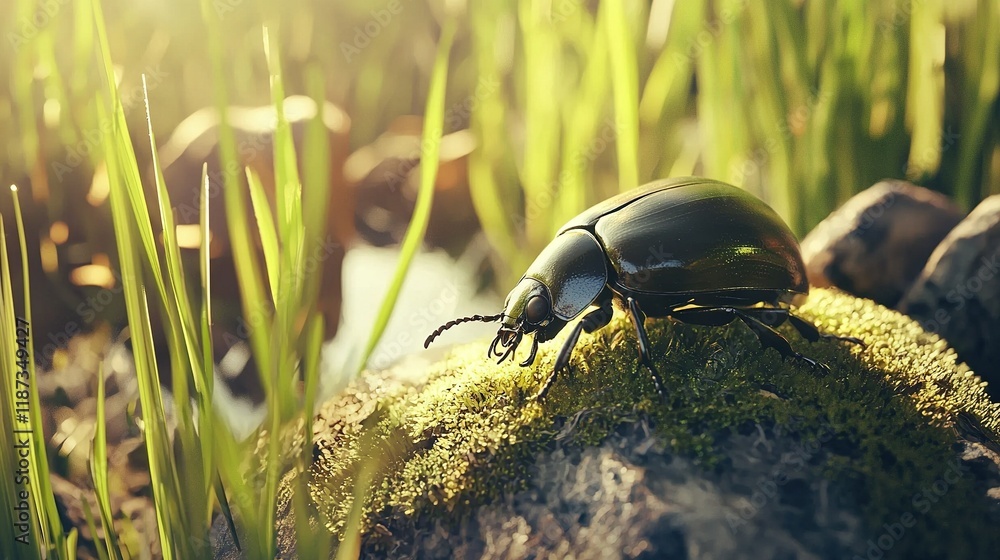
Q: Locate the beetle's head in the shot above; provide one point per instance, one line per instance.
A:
(528, 309)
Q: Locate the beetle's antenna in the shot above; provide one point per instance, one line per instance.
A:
(450, 324)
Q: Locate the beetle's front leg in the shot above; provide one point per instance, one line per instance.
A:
(592, 321)
(645, 348)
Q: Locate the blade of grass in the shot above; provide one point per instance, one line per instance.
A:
(491, 195)
(542, 72)
(99, 475)
(127, 204)
(204, 259)
(625, 86)
(663, 100)
(315, 203)
(103, 548)
(253, 295)
(207, 433)
(582, 120)
(310, 543)
(157, 443)
(982, 90)
(316, 187)
(176, 284)
(288, 197)
(286, 177)
(191, 463)
(431, 147)
(45, 504)
(268, 235)
(925, 103)
(19, 534)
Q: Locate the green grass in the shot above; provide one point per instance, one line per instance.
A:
(803, 104)
(430, 152)
(31, 521)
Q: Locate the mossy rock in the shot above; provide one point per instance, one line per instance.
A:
(466, 460)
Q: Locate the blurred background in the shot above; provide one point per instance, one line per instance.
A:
(550, 107)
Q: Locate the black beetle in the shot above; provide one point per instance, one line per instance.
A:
(730, 257)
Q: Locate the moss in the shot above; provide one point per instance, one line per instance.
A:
(469, 432)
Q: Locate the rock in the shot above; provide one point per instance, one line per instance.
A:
(464, 463)
(629, 498)
(875, 245)
(958, 292)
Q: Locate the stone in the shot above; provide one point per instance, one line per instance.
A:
(875, 245)
(631, 498)
(958, 292)
(894, 450)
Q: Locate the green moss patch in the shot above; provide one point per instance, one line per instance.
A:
(469, 431)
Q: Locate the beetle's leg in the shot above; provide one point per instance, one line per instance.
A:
(493, 348)
(768, 337)
(591, 322)
(510, 349)
(534, 350)
(774, 317)
(645, 348)
(812, 334)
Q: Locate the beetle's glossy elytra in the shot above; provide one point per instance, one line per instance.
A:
(695, 250)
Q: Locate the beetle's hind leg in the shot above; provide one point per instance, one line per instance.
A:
(812, 334)
(773, 317)
(768, 337)
(645, 348)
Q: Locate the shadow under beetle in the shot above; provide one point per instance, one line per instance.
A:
(730, 257)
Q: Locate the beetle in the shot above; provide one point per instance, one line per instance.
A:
(730, 257)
